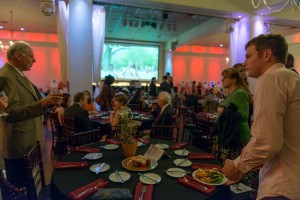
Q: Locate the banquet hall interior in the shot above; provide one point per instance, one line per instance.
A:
(192, 40)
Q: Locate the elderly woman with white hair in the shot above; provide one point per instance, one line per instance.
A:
(166, 113)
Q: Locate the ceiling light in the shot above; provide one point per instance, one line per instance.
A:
(275, 5)
(48, 7)
(1, 27)
(239, 16)
(22, 29)
(221, 45)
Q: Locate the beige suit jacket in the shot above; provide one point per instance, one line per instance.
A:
(24, 125)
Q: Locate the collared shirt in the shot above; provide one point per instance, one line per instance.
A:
(163, 108)
(21, 73)
(79, 104)
(275, 143)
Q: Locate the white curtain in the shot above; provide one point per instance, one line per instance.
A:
(62, 32)
(98, 39)
(234, 47)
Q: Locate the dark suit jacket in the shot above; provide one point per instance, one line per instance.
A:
(24, 125)
(152, 90)
(81, 117)
(166, 117)
(164, 86)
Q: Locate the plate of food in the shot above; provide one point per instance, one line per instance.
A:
(209, 176)
(182, 152)
(139, 163)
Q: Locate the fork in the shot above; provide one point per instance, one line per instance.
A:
(143, 191)
(194, 183)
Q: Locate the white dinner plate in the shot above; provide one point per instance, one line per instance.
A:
(153, 176)
(115, 178)
(111, 146)
(105, 117)
(182, 152)
(176, 172)
(182, 162)
(162, 146)
(93, 156)
(140, 144)
(104, 168)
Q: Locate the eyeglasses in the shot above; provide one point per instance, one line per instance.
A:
(224, 78)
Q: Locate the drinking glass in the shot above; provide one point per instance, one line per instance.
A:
(2, 94)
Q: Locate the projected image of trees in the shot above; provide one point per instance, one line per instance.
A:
(130, 62)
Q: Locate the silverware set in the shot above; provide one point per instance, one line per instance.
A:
(98, 169)
(144, 189)
(195, 183)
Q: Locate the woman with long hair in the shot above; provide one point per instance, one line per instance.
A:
(90, 106)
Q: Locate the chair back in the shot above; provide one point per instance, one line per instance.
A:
(84, 138)
(165, 132)
(135, 107)
(35, 171)
(9, 192)
(69, 126)
(202, 133)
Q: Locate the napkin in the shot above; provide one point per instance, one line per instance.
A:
(143, 140)
(197, 185)
(113, 141)
(87, 149)
(88, 190)
(179, 145)
(147, 194)
(201, 156)
(206, 166)
(66, 165)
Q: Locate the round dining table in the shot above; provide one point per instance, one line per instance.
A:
(65, 181)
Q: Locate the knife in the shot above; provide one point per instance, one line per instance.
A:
(98, 169)
(147, 177)
(119, 175)
(183, 151)
(181, 162)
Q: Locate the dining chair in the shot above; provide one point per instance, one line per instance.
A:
(9, 192)
(135, 107)
(165, 132)
(202, 134)
(188, 123)
(58, 141)
(36, 188)
(76, 139)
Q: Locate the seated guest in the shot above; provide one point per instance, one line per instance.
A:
(90, 106)
(119, 102)
(138, 99)
(209, 103)
(165, 116)
(80, 115)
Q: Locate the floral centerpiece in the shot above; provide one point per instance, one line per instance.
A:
(125, 132)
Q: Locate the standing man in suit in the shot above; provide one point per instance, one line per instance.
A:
(165, 86)
(80, 115)
(24, 125)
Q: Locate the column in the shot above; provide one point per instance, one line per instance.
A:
(80, 47)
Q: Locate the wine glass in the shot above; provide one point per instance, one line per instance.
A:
(57, 91)
(2, 94)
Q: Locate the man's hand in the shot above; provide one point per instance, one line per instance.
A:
(52, 99)
(3, 102)
(231, 172)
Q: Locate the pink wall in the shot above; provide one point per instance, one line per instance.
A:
(45, 48)
(198, 63)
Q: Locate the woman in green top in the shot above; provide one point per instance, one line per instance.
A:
(238, 94)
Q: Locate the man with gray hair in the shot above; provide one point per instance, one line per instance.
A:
(165, 116)
(24, 124)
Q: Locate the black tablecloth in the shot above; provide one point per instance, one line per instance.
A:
(67, 180)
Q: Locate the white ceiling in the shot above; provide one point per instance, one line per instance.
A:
(27, 14)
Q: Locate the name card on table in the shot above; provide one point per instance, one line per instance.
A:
(154, 153)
